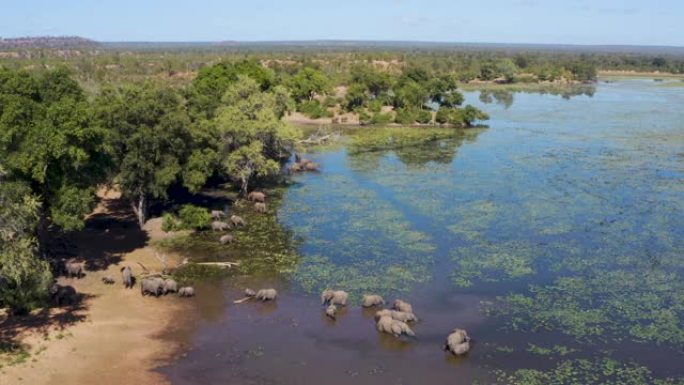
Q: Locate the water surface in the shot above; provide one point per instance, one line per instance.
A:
(554, 235)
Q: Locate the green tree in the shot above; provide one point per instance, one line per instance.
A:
(206, 90)
(152, 143)
(252, 136)
(307, 83)
(24, 278)
(48, 139)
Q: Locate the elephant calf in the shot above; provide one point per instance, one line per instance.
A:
(260, 207)
(127, 276)
(402, 306)
(458, 342)
(152, 286)
(73, 269)
(228, 238)
(331, 311)
(108, 280)
(370, 300)
(170, 286)
(219, 226)
(187, 291)
(391, 326)
(334, 297)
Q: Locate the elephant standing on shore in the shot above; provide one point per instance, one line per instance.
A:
(63, 295)
(256, 196)
(220, 226)
(228, 238)
(217, 214)
(127, 276)
(237, 221)
(370, 300)
(260, 207)
(72, 269)
(152, 286)
(187, 291)
(170, 286)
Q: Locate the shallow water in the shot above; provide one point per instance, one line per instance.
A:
(555, 234)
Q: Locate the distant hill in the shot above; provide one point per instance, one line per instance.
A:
(56, 42)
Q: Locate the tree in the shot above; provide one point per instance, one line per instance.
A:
(410, 94)
(253, 137)
(24, 278)
(206, 90)
(307, 83)
(152, 143)
(49, 141)
(507, 69)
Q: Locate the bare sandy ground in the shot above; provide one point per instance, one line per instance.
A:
(115, 335)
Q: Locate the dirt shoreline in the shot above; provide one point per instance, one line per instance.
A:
(114, 336)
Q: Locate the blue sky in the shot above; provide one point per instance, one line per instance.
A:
(655, 22)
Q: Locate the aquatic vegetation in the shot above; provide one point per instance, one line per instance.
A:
(581, 371)
(387, 138)
(264, 246)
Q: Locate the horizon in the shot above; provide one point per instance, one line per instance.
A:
(527, 22)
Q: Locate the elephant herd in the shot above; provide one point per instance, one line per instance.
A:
(63, 295)
(392, 321)
(221, 224)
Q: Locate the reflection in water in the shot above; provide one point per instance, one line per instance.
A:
(553, 236)
(505, 97)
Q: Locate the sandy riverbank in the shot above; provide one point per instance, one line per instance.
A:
(114, 336)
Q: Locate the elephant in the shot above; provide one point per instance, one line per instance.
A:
(217, 214)
(402, 306)
(127, 276)
(237, 221)
(108, 280)
(152, 285)
(260, 207)
(295, 167)
(331, 311)
(250, 292)
(266, 295)
(63, 295)
(73, 269)
(228, 238)
(256, 196)
(458, 342)
(298, 158)
(170, 285)
(370, 300)
(219, 226)
(335, 297)
(396, 315)
(187, 291)
(311, 166)
(391, 326)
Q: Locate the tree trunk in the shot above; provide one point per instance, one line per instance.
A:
(244, 186)
(42, 233)
(140, 209)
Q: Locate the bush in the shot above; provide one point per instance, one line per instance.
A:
(193, 217)
(313, 109)
(424, 117)
(374, 106)
(171, 223)
(380, 118)
(329, 102)
(405, 116)
(443, 115)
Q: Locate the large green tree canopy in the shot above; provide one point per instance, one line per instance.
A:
(153, 144)
(49, 141)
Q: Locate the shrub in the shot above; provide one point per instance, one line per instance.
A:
(380, 118)
(171, 223)
(193, 217)
(313, 109)
(424, 117)
(405, 116)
